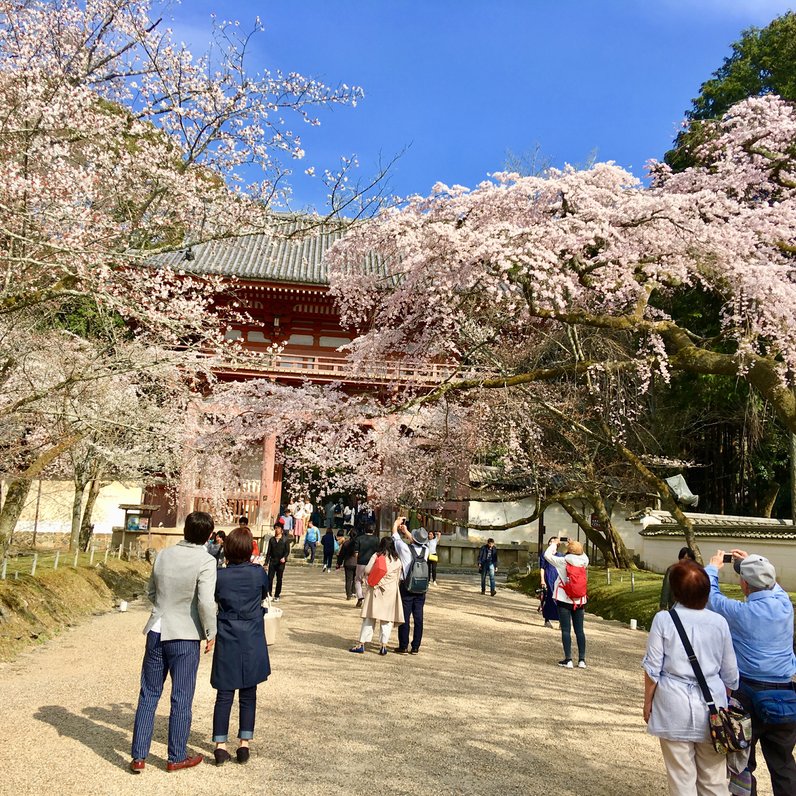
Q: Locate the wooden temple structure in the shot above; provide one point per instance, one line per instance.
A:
(282, 284)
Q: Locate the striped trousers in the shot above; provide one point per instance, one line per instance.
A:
(180, 659)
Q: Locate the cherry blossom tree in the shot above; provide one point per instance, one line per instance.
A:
(117, 145)
(517, 261)
(596, 249)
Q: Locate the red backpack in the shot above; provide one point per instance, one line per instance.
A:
(575, 587)
(378, 571)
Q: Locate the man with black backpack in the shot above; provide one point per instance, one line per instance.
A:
(413, 551)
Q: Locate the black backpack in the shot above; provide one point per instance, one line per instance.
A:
(417, 577)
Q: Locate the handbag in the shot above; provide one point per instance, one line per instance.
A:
(730, 727)
(378, 571)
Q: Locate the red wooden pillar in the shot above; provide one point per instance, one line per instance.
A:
(270, 484)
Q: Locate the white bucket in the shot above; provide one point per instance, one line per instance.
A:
(633, 624)
(123, 606)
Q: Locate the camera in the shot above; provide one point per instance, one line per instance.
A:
(728, 558)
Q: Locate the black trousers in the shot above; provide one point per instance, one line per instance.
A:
(278, 570)
(350, 577)
(432, 571)
(776, 742)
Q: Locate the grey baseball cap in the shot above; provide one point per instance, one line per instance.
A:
(757, 571)
(420, 535)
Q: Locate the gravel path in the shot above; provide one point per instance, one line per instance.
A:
(482, 710)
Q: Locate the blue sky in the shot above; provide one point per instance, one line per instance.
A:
(459, 83)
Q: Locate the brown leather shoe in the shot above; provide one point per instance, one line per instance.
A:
(189, 762)
(137, 766)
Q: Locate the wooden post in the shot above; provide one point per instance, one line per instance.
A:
(632, 581)
(608, 575)
(119, 553)
(91, 557)
(74, 563)
(57, 556)
(33, 565)
(107, 550)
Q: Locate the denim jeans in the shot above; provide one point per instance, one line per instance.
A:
(309, 551)
(491, 571)
(247, 703)
(569, 617)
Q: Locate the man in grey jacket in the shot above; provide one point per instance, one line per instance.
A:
(182, 590)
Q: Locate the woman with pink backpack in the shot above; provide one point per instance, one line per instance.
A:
(569, 593)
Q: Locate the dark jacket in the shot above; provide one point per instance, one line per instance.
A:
(276, 550)
(347, 554)
(487, 556)
(240, 659)
(365, 546)
(328, 540)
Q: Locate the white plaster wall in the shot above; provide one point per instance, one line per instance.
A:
(657, 553)
(556, 522)
(55, 506)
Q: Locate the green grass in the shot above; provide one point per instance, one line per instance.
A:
(615, 600)
(22, 562)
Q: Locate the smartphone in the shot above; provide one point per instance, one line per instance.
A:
(728, 558)
(563, 540)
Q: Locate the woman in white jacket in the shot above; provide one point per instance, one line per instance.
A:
(570, 611)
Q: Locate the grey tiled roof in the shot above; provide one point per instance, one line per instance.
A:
(718, 525)
(734, 531)
(293, 253)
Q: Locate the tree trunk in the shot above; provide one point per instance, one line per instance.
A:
(594, 536)
(793, 478)
(12, 509)
(86, 527)
(16, 496)
(662, 488)
(621, 555)
(77, 513)
(769, 497)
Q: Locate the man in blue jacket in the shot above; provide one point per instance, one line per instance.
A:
(762, 636)
(487, 565)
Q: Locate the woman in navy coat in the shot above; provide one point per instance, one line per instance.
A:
(240, 660)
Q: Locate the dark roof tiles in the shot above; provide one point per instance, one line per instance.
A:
(294, 252)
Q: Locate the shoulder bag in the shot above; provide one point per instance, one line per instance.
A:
(730, 727)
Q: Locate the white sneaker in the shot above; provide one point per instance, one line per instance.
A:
(566, 664)
(581, 664)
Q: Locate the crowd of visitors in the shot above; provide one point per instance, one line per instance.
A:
(705, 653)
